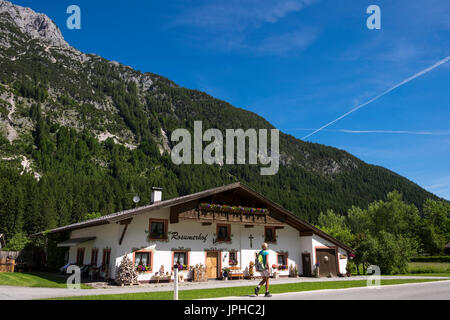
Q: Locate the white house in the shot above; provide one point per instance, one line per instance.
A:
(217, 228)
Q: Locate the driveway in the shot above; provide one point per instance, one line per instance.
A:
(439, 290)
(27, 293)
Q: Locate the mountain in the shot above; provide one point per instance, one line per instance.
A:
(80, 134)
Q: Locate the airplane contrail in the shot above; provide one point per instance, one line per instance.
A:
(437, 64)
(416, 132)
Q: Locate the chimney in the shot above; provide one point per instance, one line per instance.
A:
(156, 194)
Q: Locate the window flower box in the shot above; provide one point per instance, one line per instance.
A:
(227, 208)
(143, 269)
(183, 267)
(232, 262)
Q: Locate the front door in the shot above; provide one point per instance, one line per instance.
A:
(212, 262)
(306, 263)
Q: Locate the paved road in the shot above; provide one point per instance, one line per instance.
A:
(439, 290)
(26, 293)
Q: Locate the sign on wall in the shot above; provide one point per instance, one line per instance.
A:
(178, 236)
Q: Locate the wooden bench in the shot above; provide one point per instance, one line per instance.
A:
(236, 272)
(157, 279)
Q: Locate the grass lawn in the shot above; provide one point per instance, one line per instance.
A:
(34, 279)
(435, 274)
(429, 267)
(241, 291)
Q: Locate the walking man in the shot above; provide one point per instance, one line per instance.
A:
(262, 264)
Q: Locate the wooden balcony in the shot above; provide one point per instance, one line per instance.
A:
(226, 216)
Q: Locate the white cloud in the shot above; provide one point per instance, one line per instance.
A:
(287, 43)
(231, 25)
(235, 15)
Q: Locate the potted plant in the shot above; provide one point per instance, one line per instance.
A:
(225, 273)
(275, 271)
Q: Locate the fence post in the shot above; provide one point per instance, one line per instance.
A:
(175, 282)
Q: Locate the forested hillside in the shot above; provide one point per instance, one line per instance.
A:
(80, 134)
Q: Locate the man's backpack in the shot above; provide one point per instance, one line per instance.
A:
(259, 262)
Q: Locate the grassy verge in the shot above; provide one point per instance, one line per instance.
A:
(433, 274)
(241, 291)
(429, 267)
(34, 279)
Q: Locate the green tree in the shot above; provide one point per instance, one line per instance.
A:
(18, 242)
(385, 233)
(393, 216)
(93, 215)
(435, 226)
(336, 226)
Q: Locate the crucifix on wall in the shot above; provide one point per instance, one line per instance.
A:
(251, 241)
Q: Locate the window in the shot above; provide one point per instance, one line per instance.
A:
(223, 232)
(181, 258)
(80, 256)
(158, 229)
(233, 258)
(282, 260)
(142, 261)
(94, 256)
(269, 234)
(106, 256)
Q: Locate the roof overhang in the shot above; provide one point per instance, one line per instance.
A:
(74, 242)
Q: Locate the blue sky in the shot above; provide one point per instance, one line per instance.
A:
(298, 63)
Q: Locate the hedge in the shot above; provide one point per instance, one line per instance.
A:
(431, 259)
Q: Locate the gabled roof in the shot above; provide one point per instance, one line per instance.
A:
(288, 217)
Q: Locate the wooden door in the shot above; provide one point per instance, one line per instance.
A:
(306, 263)
(212, 261)
(327, 262)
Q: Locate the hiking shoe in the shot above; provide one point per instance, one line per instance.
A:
(256, 291)
(267, 295)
